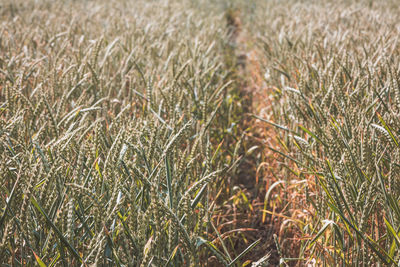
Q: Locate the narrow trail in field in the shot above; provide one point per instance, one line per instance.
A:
(254, 97)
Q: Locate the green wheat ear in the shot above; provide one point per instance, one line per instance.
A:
(111, 116)
(347, 110)
(121, 139)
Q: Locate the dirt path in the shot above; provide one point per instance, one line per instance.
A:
(253, 94)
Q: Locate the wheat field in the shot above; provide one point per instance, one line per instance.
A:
(199, 133)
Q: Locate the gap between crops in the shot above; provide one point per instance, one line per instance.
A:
(247, 216)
